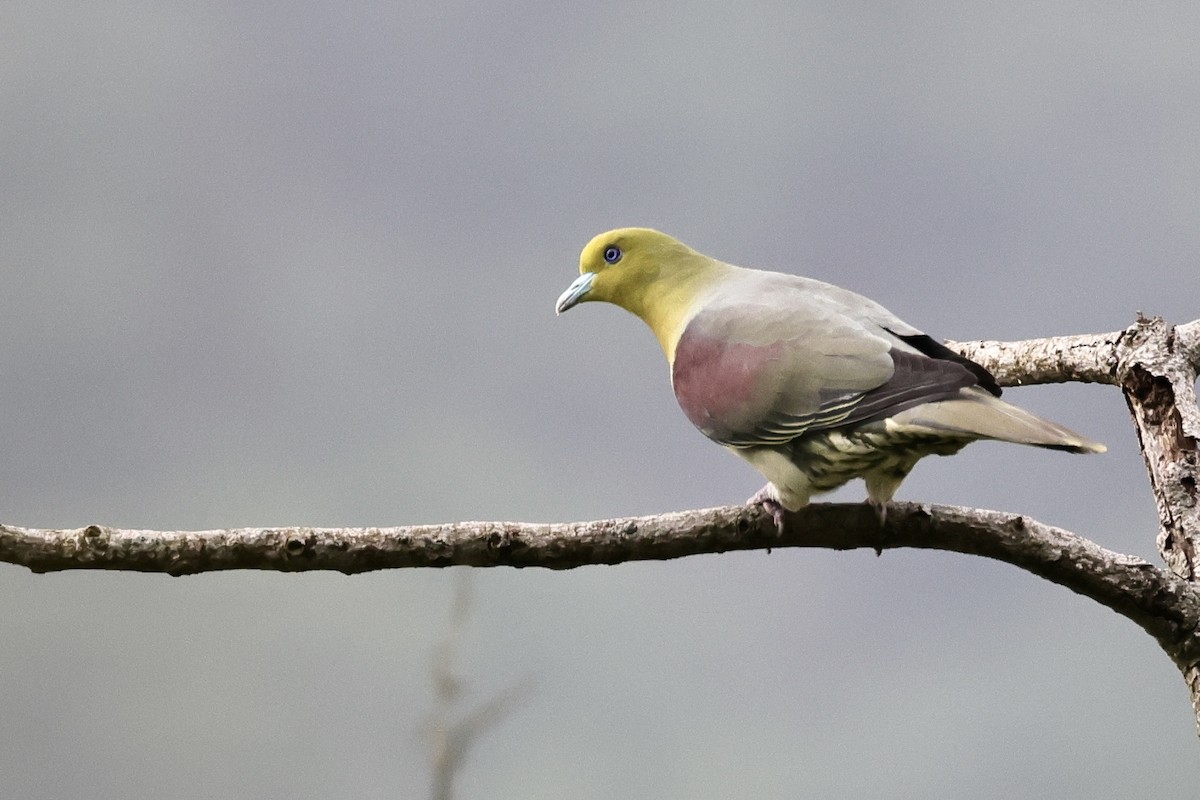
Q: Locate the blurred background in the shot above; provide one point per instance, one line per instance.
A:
(267, 265)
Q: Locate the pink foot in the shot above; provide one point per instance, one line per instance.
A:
(765, 498)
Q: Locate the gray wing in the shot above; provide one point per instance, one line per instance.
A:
(779, 356)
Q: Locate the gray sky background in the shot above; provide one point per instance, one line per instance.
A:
(296, 265)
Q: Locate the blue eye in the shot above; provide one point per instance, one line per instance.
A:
(612, 254)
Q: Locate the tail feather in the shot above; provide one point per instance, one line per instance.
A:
(982, 416)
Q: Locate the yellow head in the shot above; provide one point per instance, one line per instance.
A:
(646, 272)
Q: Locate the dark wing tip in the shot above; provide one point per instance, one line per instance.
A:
(935, 349)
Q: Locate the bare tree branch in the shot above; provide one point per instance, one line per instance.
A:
(515, 544)
(1086, 358)
(1089, 358)
(1162, 603)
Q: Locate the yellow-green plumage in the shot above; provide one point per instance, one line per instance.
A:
(812, 384)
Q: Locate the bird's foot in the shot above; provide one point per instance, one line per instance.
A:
(766, 498)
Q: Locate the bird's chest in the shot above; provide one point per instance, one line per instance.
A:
(719, 383)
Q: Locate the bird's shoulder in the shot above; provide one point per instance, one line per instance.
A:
(796, 296)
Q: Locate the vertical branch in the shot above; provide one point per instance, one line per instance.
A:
(1191, 676)
(453, 735)
(1158, 378)
(448, 688)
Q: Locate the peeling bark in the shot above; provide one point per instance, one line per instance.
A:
(1158, 377)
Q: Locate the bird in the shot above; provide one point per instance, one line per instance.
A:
(812, 384)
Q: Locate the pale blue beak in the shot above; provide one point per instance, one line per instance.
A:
(575, 292)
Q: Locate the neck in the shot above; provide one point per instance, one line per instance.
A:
(667, 306)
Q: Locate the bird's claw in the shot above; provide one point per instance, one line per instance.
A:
(765, 498)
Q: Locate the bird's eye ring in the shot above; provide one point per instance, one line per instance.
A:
(612, 254)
